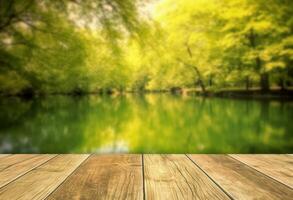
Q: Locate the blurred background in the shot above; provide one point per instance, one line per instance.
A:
(159, 76)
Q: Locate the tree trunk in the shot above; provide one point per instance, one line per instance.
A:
(202, 86)
(211, 81)
(264, 82)
(281, 83)
(264, 76)
(200, 81)
(247, 82)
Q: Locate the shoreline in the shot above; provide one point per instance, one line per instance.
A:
(248, 94)
(223, 93)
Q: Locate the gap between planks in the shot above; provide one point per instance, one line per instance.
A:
(10, 171)
(210, 176)
(41, 181)
(104, 177)
(239, 180)
(68, 176)
(275, 176)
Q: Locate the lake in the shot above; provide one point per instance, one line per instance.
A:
(151, 123)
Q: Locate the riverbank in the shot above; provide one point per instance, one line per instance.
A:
(255, 93)
(242, 93)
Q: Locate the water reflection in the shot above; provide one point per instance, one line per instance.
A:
(151, 123)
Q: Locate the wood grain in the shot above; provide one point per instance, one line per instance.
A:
(40, 182)
(176, 177)
(239, 180)
(17, 169)
(279, 167)
(104, 177)
(7, 161)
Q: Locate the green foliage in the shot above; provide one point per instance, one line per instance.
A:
(88, 46)
(230, 41)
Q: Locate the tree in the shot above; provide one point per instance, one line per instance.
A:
(27, 28)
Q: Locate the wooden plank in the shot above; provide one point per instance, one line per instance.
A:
(4, 155)
(279, 167)
(17, 169)
(40, 182)
(176, 177)
(104, 177)
(239, 180)
(7, 161)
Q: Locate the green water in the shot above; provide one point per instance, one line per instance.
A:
(154, 123)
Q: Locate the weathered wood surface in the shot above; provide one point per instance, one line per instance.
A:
(18, 165)
(279, 167)
(40, 182)
(175, 177)
(104, 177)
(8, 160)
(151, 176)
(241, 181)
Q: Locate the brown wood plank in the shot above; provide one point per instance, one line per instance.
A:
(239, 180)
(104, 177)
(4, 155)
(7, 161)
(17, 169)
(41, 181)
(177, 177)
(279, 167)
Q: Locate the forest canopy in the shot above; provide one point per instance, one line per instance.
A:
(85, 46)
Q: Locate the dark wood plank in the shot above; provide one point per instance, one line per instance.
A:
(279, 167)
(17, 169)
(176, 177)
(40, 182)
(104, 177)
(239, 180)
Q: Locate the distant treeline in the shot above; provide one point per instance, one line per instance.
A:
(89, 46)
